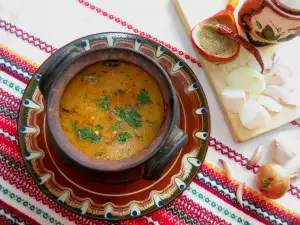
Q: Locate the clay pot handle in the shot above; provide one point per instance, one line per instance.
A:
(53, 66)
(156, 166)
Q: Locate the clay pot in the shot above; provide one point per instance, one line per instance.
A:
(57, 72)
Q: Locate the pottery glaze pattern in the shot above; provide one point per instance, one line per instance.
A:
(131, 199)
(265, 22)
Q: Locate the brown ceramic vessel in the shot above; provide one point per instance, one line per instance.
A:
(151, 161)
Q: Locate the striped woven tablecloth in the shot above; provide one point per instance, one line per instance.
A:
(31, 30)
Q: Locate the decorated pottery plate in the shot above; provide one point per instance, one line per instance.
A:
(90, 198)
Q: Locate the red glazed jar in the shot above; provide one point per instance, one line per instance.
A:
(270, 21)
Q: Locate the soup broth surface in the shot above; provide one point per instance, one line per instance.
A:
(111, 110)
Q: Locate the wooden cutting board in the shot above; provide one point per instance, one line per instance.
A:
(193, 11)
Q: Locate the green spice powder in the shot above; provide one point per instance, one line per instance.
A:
(215, 43)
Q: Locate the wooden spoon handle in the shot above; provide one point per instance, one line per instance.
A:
(231, 5)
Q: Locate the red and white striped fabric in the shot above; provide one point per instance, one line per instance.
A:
(31, 30)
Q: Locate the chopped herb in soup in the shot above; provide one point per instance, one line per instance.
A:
(116, 126)
(143, 96)
(111, 110)
(123, 137)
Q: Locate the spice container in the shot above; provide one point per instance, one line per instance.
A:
(218, 40)
(270, 21)
(213, 45)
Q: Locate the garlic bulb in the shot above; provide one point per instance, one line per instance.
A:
(283, 150)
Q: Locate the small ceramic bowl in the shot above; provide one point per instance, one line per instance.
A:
(222, 17)
(151, 161)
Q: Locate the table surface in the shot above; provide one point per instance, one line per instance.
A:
(31, 30)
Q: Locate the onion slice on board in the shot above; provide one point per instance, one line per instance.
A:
(270, 104)
(254, 116)
(234, 99)
(247, 79)
(281, 95)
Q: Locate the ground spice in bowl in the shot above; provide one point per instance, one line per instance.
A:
(215, 43)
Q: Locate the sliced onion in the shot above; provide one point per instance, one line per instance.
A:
(226, 169)
(272, 181)
(282, 95)
(270, 104)
(255, 157)
(247, 79)
(254, 116)
(239, 193)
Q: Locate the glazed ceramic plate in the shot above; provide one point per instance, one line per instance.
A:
(127, 200)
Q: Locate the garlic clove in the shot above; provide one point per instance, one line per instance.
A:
(295, 175)
(269, 104)
(234, 99)
(283, 150)
(279, 75)
(276, 78)
(226, 169)
(281, 95)
(254, 116)
(239, 193)
(247, 79)
(255, 157)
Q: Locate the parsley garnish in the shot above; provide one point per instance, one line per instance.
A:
(132, 117)
(89, 134)
(74, 127)
(84, 133)
(96, 138)
(116, 126)
(103, 103)
(99, 127)
(123, 137)
(143, 97)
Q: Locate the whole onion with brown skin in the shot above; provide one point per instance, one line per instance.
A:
(272, 181)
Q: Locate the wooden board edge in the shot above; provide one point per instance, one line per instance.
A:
(188, 31)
